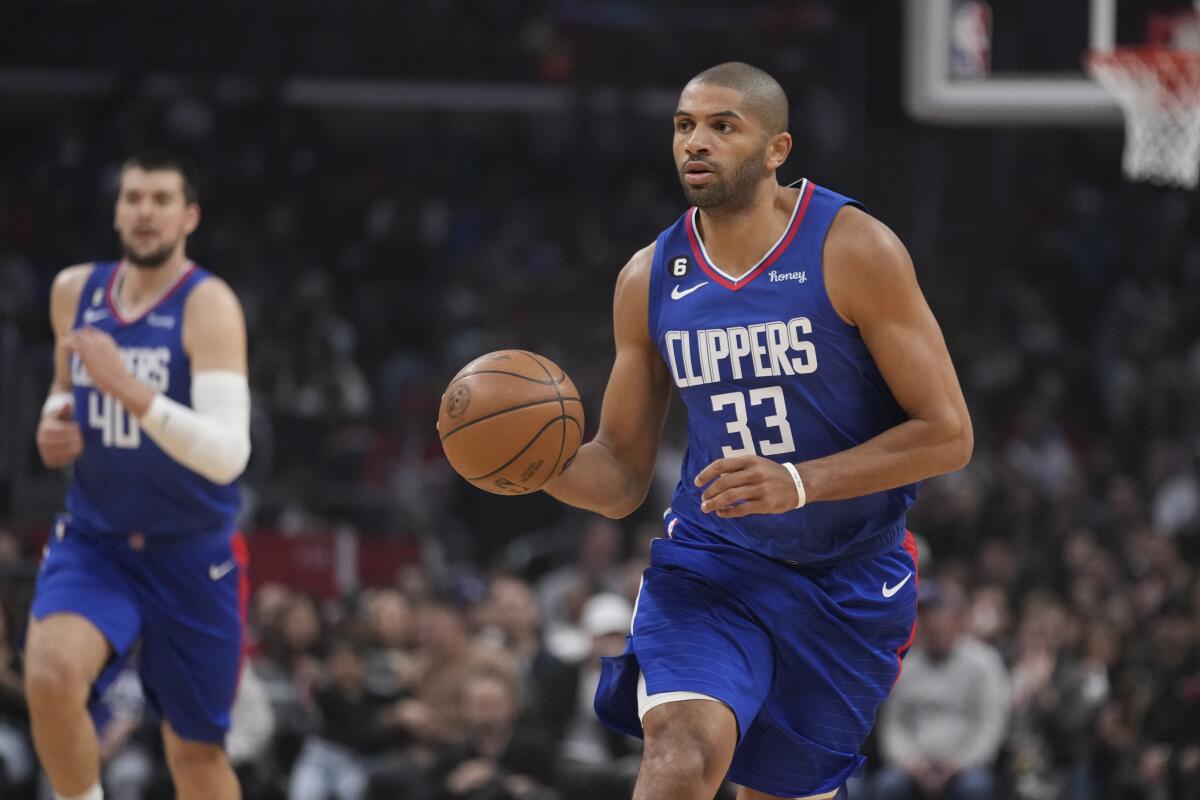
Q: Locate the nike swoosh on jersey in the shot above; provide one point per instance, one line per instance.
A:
(889, 591)
(218, 571)
(676, 294)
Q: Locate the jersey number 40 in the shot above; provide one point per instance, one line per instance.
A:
(738, 425)
(117, 427)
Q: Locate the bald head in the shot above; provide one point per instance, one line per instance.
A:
(762, 94)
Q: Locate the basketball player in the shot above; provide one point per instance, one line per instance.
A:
(150, 403)
(770, 622)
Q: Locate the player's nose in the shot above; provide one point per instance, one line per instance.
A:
(696, 143)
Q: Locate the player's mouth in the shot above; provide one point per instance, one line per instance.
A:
(697, 172)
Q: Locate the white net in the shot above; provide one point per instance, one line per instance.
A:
(1159, 92)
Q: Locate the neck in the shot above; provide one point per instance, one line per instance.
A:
(141, 285)
(737, 238)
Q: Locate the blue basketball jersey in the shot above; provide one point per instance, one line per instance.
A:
(766, 366)
(124, 483)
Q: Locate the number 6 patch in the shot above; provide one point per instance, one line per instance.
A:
(678, 267)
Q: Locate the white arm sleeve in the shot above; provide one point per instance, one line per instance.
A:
(212, 437)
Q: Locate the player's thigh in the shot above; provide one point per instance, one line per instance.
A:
(83, 612)
(690, 635)
(64, 653)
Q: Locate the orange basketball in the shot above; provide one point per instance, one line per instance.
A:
(510, 421)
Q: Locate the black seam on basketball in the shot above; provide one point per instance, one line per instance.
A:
(535, 360)
(562, 442)
(501, 412)
(503, 372)
(579, 428)
(521, 452)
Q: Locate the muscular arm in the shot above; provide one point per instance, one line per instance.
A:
(611, 474)
(59, 440)
(872, 284)
(214, 330)
(64, 303)
(213, 436)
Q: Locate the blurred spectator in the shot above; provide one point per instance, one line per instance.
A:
(251, 734)
(390, 628)
(447, 655)
(943, 726)
(513, 613)
(17, 766)
(563, 591)
(498, 757)
(127, 748)
(333, 764)
(597, 763)
(290, 668)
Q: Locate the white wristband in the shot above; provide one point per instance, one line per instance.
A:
(55, 402)
(800, 496)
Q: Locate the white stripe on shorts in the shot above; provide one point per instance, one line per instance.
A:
(647, 702)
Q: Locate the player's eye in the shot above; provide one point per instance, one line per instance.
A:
(683, 125)
(723, 127)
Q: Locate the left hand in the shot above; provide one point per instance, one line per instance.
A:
(100, 356)
(744, 485)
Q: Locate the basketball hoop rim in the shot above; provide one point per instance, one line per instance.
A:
(1160, 59)
(1177, 72)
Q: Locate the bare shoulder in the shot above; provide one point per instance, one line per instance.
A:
(631, 301)
(214, 330)
(863, 260)
(213, 295)
(637, 270)
(69, 282)
(64, 295)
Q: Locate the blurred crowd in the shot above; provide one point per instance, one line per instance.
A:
(479, 687)
(1058, 654)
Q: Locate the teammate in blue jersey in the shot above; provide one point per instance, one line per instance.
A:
(770, 623)
(151, 407)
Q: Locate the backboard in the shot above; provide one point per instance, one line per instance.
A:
(949, 79)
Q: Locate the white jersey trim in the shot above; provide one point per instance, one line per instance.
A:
(766, 255)
(123, 315)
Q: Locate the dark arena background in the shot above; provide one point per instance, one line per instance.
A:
(393, 188)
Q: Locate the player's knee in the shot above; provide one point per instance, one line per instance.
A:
(54, 680)
(679, 746)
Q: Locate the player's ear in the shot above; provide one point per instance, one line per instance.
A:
(191, 218)
(779, 146)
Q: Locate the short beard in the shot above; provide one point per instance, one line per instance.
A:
(733, 194)
(152, 260)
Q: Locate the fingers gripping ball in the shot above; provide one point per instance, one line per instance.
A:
(510, 421)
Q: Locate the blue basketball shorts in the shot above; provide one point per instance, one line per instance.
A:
(803, 656)
(182, 601)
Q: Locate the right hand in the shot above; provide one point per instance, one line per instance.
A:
(59, 439)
